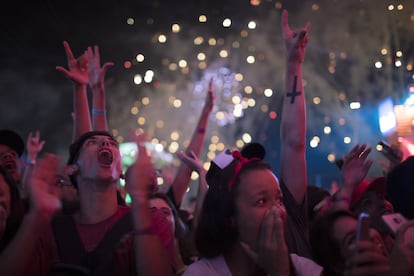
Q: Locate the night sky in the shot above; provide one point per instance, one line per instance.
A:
(347, 38)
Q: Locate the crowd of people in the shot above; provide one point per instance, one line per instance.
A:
(72, 219)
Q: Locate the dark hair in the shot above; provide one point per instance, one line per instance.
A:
(326, 250)
(400, 188)
(215, 232)
(76, 146)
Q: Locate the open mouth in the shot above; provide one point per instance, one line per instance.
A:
(10, 166)
(105, 157)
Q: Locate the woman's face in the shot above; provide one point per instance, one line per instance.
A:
(344, 233)
(256, 193)
(5, 201)
(165, 208)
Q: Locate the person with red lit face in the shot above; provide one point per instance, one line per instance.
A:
(99, 162)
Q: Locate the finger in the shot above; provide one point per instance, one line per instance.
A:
(285, 24)
(210, 85)
(97, 54)
(266, 229)
(249, 251)
(307, 27)
(68, 51)
(106, 66)
(278, 226)
(367, 165)
(63, 70)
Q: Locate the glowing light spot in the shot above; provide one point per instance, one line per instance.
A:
(248, 89)
(331, 157)
(140, 57)
(247, 138)
(398, 63)
(268, 92)
(341, 121)
(251, 25)
(272, 115)
(202, 18)
(127, 64)
(226, 22)
(327, 130)
(239, 143)
(137, 79)
(236, 99)
(182, 63)
(201, 56)
(215, 139)
(316, 100)
(145, 101)
(223, 53)
(378, 64)
(134, 110)
(198, 40)
(141, 121)
(175, 28)
(347, 139)
(250, 59)
(177, 103)
(175, 135)
(355, 105)
(173, 147)
(162, 38)
(238, 77)
(212, 42)
(130, 21)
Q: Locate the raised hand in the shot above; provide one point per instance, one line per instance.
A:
(356, 166)
(142, 175)
(41, 186)
(34, 145)
(295, 40)
(95, 71)
(192, 161)
(78, 68)
(209, 103)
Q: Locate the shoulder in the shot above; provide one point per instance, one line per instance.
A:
(213, 267)
(305, 266)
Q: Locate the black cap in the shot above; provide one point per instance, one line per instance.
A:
(13, 140)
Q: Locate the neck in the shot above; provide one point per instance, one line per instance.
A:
(97, 203)
(239, 263)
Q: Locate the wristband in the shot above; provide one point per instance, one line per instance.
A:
(30, 162)
(98, 111)
(201, 130)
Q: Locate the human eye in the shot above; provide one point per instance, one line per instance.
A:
(91, 142)
(113, 143)
(261, 202)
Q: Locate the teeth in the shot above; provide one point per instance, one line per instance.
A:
(105, 157)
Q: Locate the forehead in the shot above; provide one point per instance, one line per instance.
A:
(343, 226)
(258, 180)
(101, 137)
(159, 203)
(4, 148)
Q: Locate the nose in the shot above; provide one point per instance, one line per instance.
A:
(105, 142)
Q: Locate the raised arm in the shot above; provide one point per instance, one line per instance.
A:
(33, 146)
(78, 74)
(97, 85)
(293, 122)
(150, 256)
(17, 256)
(183, 176)
(195, 164)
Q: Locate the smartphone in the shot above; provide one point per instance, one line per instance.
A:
(394, 221)
(387, 149)
(363, 227)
